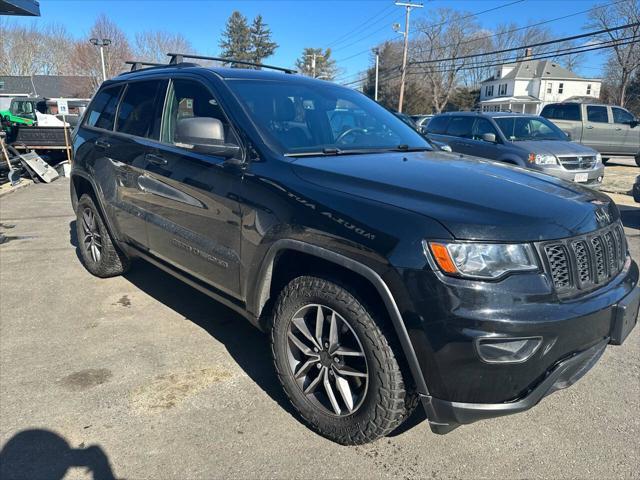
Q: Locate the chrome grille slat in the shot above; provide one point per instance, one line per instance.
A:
(574, 163)
(585, 262)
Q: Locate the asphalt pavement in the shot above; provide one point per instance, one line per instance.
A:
(142, 377)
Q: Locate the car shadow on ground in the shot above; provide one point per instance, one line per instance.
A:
(40, 453)
(630, 216)
(248, 346)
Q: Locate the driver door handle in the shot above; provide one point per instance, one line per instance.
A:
(103, 144)
(155, 159)
(589, 127)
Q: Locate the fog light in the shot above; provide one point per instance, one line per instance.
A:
(599, 179)
(507, 350)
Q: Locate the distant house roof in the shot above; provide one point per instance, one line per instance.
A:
(49, 86)
(537, 69)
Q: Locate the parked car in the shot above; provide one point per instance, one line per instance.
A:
(525, 140)
(421, 121)
(409, 121)
(385, 273)
(611, 130)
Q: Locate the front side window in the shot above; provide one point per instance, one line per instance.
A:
(528, 128)
(597, 114)
(481, 127)
(620, 115)
(191, 99)
(102, 110)
(300, 118)
(140, 113)
(23, 109)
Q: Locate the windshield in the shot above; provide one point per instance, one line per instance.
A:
(303, 119)
(518, 129)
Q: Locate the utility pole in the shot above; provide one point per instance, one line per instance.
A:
(408, 6)
(105, 42)
(313, 63)
(377, 52)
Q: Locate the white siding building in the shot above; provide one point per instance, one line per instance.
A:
(530, 85)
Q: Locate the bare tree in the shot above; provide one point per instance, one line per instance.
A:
(86, 57)
(153, 46)
(623, 60)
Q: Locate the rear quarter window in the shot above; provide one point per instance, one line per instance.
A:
(438, 125)
(102, 111)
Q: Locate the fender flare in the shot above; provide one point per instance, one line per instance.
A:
(264, 282)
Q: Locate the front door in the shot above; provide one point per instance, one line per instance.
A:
(195, 217)
(623, 137)
(597, 129)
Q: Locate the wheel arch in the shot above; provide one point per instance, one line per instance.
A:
(269, 277)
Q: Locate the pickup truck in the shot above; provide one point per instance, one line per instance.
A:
(611, 130)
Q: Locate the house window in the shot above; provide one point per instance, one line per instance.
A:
(502, 90)
(549, 87)
(588, 89)
(560, 87)
(488, 91)
(1, 84)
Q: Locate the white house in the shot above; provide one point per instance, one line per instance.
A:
(529, 85)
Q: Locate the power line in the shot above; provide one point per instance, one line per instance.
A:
(539, 44)
(362, 26)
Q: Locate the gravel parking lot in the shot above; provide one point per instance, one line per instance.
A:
(143, 377)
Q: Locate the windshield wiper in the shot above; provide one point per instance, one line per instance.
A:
(331, 151)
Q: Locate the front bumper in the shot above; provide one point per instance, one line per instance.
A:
(452, 313)
(594, 175)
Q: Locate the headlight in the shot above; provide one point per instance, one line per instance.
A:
(542, 159)
(598, 158)
(482, 260)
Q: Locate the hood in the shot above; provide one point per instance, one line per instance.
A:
(555, 147)
(474, 199)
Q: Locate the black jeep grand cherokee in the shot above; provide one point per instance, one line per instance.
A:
(384, 272)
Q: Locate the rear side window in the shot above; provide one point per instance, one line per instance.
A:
(461, 126)
(438, 125)
(102, 111)
(597, 114)
(620, 115)
(140, 111)
(562, 112)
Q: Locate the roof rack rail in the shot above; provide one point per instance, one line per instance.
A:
(136, 65)
(179, 58)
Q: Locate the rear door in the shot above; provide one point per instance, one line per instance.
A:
(597, 129)
(460, 134)
(625, 140)
(195, 216)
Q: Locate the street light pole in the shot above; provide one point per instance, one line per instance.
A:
(105, 42)
(408, 6)
(375, 93)
(313, 63)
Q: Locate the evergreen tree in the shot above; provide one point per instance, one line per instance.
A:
(324, 68)
(261, 44)
(236, 39)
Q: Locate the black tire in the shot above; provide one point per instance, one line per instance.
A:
(385, 403)
(605, 160)
(110, 262)
(638, 160)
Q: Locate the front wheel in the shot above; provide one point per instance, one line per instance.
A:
(335, 363)
(638, 160)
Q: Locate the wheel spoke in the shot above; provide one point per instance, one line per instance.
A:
(302, 326)
(94, 253)
(86, 221)
(314, 383)
(333, 333)
(330, 394)
(348, 371)
(302, 371)
(300, 345)
(342, 384)
(319, 324)
(348, 352)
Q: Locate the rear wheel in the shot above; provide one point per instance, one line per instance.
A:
(335, 363)
(97, 251)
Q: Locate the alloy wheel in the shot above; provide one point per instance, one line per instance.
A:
(92, 240)
(327, 360)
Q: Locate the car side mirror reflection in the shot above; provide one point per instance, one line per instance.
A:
(568, 134)
(206, 135)
(489, 137)
(634, 123)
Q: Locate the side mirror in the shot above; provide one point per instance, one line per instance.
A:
(634, 123)
(205, 134)
(489, 137)
(568, 134)
(446, 148)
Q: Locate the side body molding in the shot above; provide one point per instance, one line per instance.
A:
(264, 280)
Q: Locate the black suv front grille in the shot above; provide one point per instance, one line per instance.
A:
(582, 263)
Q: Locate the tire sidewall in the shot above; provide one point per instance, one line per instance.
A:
(93, 267)
(340, 425)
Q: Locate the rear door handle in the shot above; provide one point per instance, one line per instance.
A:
(100, 143)
(619, 128)
(589, 127)
(155, 159)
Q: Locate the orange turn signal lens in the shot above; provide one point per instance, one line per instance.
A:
(441, 254)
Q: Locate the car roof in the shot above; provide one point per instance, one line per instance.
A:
(488, 114)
